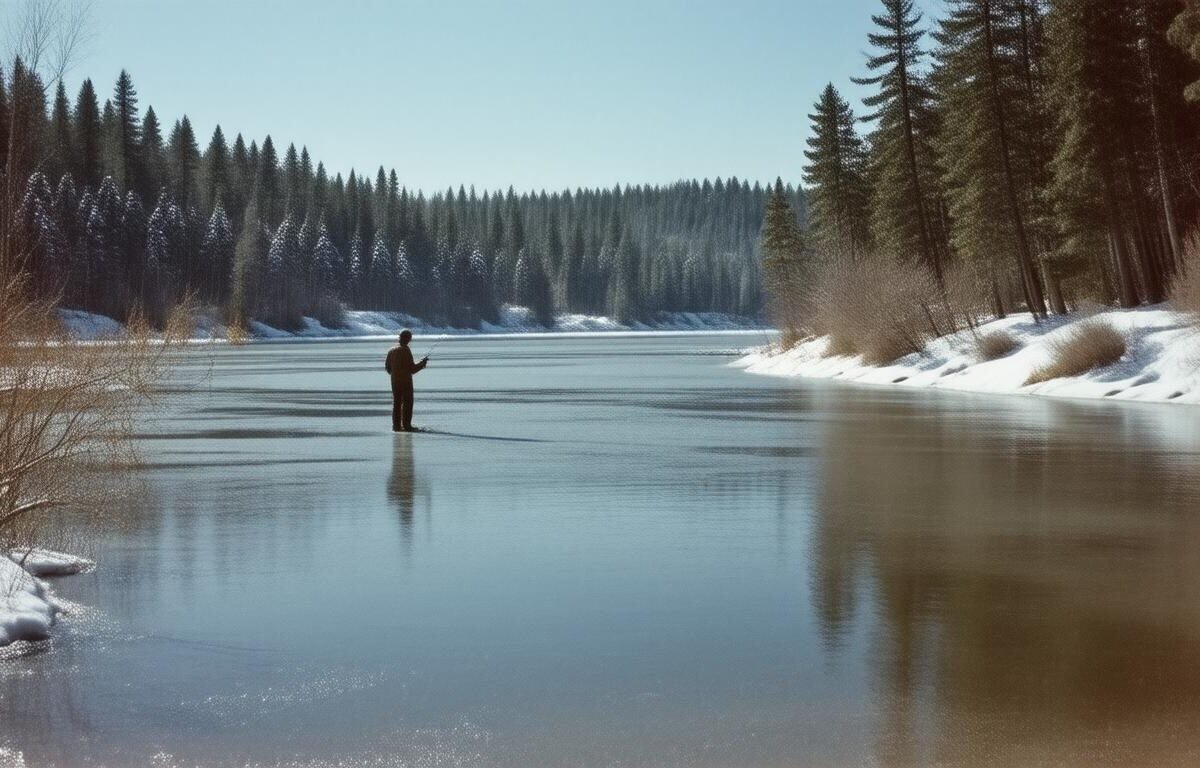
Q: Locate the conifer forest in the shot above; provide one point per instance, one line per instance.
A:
(1029, 154)
(116, 212)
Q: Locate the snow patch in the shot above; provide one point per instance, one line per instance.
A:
(27, 610)
(45, 562)
(1161, 363)
(86, 325)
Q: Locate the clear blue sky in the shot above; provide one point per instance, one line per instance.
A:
(533, 93)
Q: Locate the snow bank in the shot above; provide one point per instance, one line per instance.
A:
(27, 610)
(364, 324)
(45, 562)
(1161, 363)
(85, 325)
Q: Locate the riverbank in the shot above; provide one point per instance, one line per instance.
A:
(1161, 362)
(364, 324)
(27, 606)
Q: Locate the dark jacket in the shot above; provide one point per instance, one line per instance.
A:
(400, 365)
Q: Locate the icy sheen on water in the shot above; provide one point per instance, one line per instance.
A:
(625, 553)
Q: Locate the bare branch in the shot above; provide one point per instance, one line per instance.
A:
(47, 35)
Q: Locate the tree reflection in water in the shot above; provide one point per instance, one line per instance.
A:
(1033, 583)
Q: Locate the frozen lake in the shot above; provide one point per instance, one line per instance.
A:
(626, 553)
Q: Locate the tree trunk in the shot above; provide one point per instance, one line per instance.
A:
(1029, 278)
(1150, 72)
(1054, 288)
(927, 252)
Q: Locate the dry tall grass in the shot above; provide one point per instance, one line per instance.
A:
(884, 310)
(66, 406)
(1084, 346)
(995, 345)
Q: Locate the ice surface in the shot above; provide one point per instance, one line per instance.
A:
(1161, 364)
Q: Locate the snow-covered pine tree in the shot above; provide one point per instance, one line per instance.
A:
(216, 251)
(326, 261)
(382, 276)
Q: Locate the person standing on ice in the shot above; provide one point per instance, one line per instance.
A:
(400, 365)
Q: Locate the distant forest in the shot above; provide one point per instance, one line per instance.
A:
(1018, 155)
(116, 213)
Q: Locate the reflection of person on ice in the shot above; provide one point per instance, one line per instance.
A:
(401, 367)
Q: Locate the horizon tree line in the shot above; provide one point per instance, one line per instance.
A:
(117, 214)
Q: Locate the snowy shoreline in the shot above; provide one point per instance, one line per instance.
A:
(28, 608)
(1161, 363)
(365, 324)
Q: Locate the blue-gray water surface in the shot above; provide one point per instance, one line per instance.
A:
(623, 552)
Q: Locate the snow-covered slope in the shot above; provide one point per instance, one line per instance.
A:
(368, 324)
(1161, 364)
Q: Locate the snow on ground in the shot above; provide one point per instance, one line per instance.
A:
(85, 325)
(1161, 364)
(27, 609)
(27, 606)
(45, 562)
(363, 324)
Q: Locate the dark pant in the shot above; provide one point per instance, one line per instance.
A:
(402, 407)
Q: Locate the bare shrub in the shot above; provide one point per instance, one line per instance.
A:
(47, 34)
(1086, 345)
(66, 405)
(995, 345)
(1185, 288)
(877, 308)
(966, 298)
(329, 312)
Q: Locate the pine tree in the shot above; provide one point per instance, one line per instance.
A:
(162, 268)
(249, 261)
(623, 299)
(133, 241)
(381, 272)
(783, 256)
(980, 88)
(104, 248)
(62, 152)
(325, 261)
(270, 196)
(903, 202)
(836, 175)
(216, 173)
(126, 136)
(1093, 81)
(216, 251)
(183, 163)
(88, 140)
(282, 254)
(152, 168)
